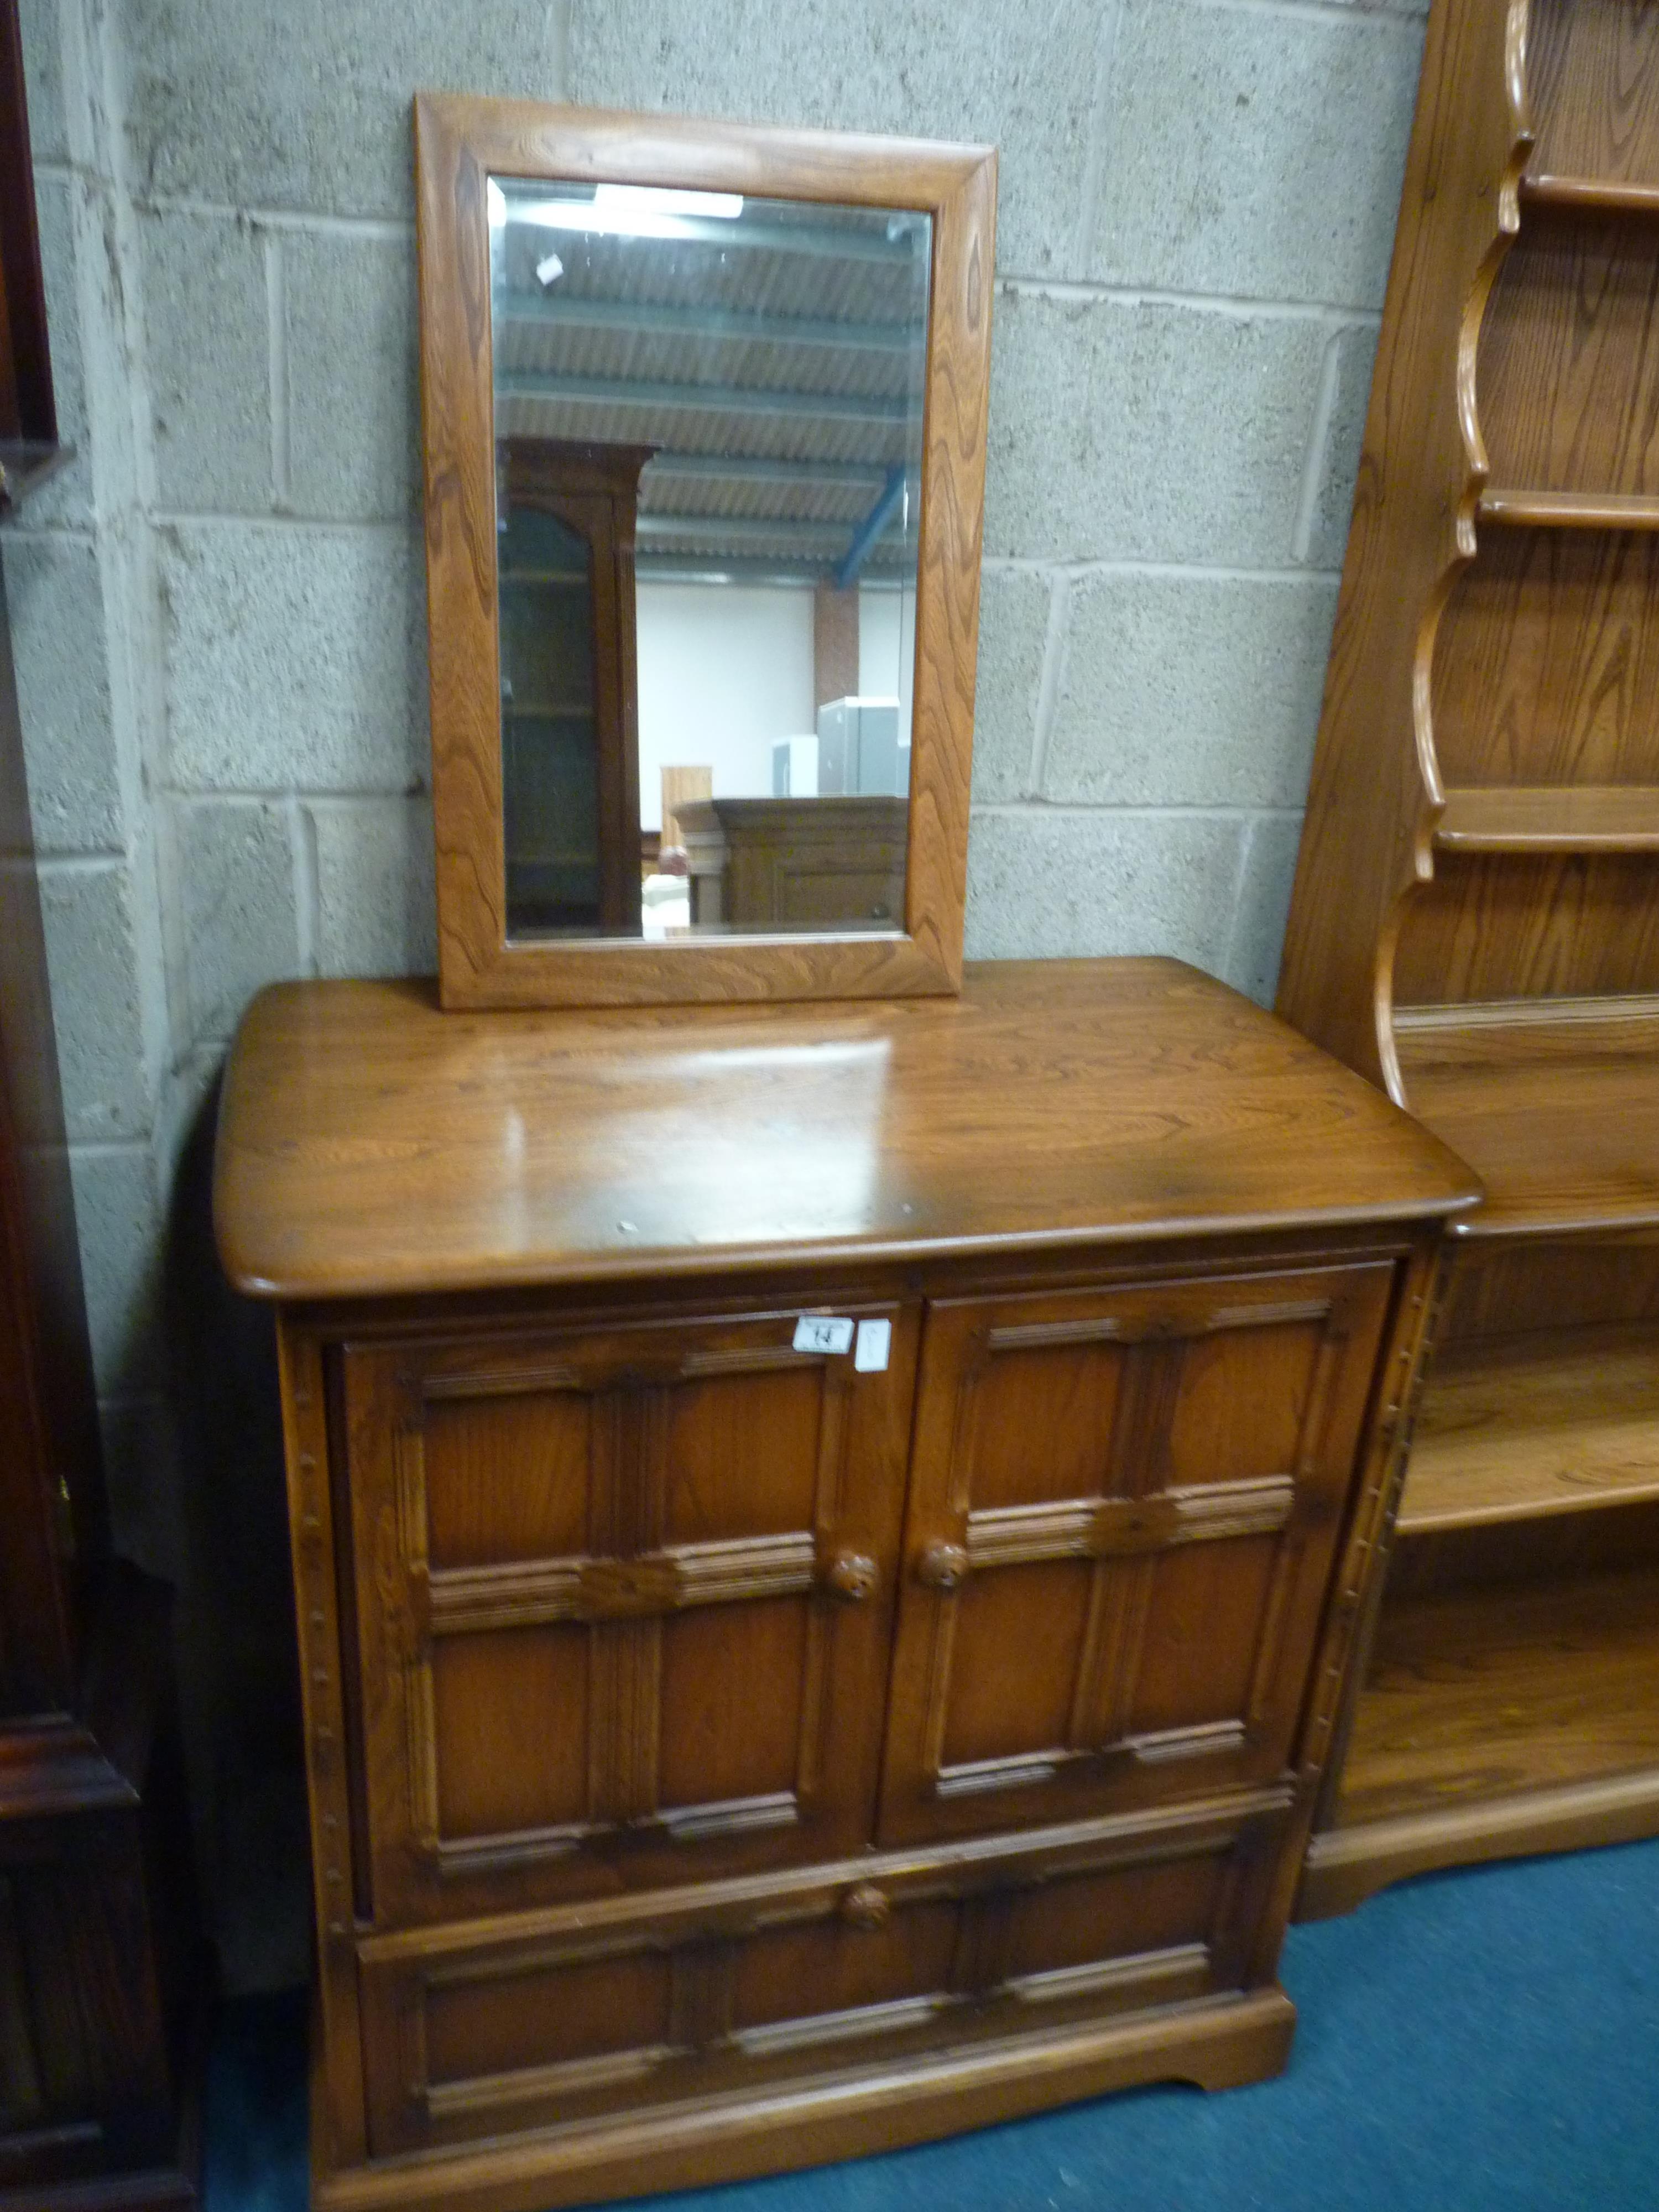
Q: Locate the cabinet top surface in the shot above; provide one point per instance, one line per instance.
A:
(371, 1144)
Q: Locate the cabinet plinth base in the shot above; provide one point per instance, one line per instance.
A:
(1219, 2043)
(1345, 1866)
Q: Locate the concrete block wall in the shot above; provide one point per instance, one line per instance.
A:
(219, 613)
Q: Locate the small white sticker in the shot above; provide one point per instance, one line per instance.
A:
(823, 1332)
(875, 1342)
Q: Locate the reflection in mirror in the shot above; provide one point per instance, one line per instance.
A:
(708, 420)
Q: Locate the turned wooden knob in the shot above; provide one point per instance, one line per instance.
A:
(942, 1566)
(852, 1575)
(866, 1907)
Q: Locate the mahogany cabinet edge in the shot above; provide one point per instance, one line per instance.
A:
(1217, 2043)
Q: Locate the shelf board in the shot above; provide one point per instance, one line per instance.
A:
(1611, 818)
(541, 576)
(1486, 1692)
(549, 710)
(1567, 510)
(1554, 1103)
(1520, 1428)
(1590, 195)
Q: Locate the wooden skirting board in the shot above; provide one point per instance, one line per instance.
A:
(1219, 2045)
(1347, 1865)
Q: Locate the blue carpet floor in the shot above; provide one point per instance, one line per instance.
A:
(1485, 2041)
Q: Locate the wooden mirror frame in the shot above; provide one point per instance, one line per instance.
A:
(461, 142)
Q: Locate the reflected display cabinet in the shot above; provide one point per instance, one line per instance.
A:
(1475, 926)
(570, 780)
(826, 1540)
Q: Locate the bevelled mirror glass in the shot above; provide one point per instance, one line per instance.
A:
(709, 412)
(704, 413)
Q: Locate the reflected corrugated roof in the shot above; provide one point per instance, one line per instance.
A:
(788, 344)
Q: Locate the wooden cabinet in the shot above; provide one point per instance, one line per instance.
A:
(826, 863)
(95, 1927)
(1476, 926)
(825, 1540)
(570, 749)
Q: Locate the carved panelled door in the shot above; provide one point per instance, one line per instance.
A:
(624, 1598)
(1123, 1512)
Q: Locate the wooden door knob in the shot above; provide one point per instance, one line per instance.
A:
(852, 1575)
(942, 1566)
(866, 1907)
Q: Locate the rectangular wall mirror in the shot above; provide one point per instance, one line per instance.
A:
(704, 415)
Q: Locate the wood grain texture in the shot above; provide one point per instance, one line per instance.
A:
(1491, 1692)
(730, 1988)
(1375, 792)
(1546, 668)
(1530, 925)
(1217, 2045)
(1196, 1442)
(1505, 983)
(1568, 372)
(1592, 817)
(1562, 1115)
(459, 142)
(1593, 70)
(1347, 1865)
(370, 1144)
(1523, 1427)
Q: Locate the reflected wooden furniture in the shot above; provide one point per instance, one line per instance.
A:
(570, 738)
(825, 1540)
(797, 863)
(680, 785)
(459, 143)
(1475, 926)
(96, 1954)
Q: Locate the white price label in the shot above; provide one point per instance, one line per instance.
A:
(875, 1342)
(823, 1332)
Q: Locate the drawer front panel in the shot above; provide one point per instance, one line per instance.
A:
(1123, 1512)
(842, 1966)
(624, 1602)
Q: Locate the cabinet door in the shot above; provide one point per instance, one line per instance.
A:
(1123, 1511)
(624, 1601)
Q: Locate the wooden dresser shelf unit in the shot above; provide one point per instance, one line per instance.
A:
(1475, 926)
(826, 1541)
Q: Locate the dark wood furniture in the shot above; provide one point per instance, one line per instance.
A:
(29, 413)
(1476, 927)
(570, 739)
(460, 143)
(797, 863)
(826, 1539)
(96, 1963)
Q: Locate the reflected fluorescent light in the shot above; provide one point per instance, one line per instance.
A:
(659, 199)
(620, 210)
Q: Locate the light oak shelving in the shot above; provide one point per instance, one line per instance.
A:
(1475, 926)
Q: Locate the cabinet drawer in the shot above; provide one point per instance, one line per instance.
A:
(622, 2005)
(1123, 1511)
(624, 1602)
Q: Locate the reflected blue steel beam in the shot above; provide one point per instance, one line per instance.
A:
(888, 500)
